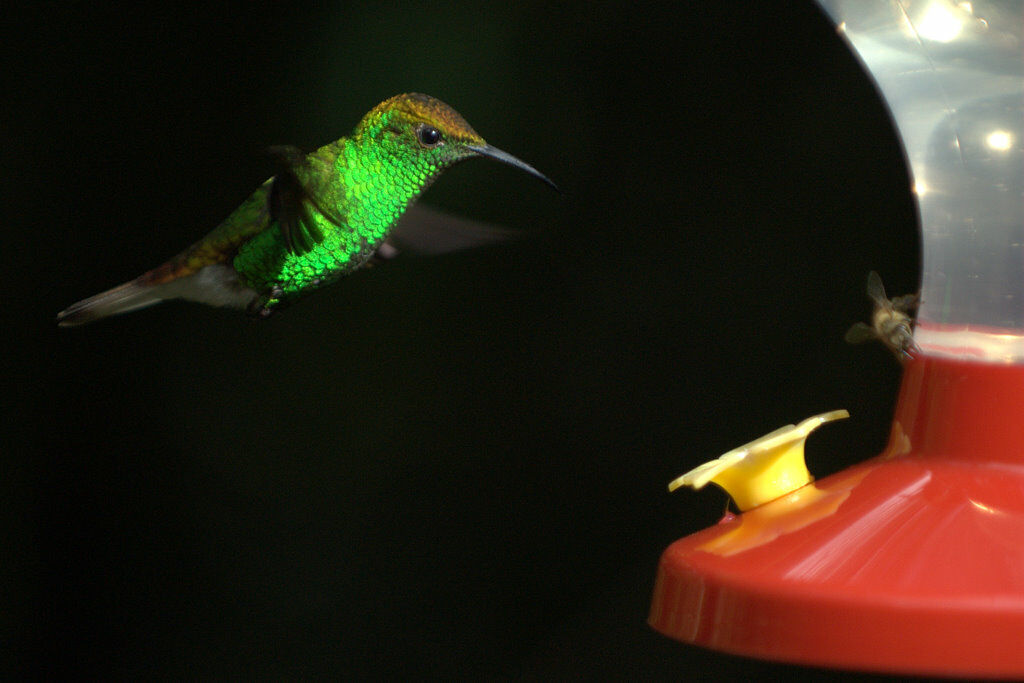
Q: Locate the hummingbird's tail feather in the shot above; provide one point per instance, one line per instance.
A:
(130, 296)
(215, 285)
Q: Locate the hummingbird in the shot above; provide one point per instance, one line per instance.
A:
(321, 216)
(890, 322)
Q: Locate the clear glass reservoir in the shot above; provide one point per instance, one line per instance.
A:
(952, 75)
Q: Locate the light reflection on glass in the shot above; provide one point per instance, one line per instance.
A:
(940, 23)
(999, 140)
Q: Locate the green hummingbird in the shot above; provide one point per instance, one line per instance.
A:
(321, 216)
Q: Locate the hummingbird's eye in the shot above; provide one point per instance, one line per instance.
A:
(428, 136)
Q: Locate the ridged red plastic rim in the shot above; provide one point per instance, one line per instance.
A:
(912, 562)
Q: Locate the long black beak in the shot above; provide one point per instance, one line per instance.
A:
(495, 153)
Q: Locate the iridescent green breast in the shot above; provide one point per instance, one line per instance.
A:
(370, 184)
(265, 264)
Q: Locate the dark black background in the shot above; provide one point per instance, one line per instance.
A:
(444, 466)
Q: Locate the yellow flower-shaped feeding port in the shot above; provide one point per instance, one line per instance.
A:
(763, 469)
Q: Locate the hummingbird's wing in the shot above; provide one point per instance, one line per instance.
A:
(293, 193)
(426, 231)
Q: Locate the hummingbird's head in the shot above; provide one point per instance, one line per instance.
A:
(430, 135)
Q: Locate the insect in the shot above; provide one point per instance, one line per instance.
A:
(891, 322)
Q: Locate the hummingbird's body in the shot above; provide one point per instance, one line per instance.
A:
(323, 215)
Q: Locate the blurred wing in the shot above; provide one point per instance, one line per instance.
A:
(423, 230)
(859, 333)
(906, 303)
(292, 200)
(875, 289)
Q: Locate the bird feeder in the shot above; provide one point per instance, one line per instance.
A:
(912, 562)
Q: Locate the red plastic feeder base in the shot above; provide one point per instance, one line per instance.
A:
(912, 562)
